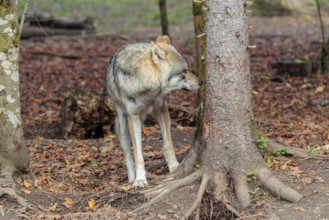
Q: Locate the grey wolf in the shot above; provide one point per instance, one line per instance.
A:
(139, 76)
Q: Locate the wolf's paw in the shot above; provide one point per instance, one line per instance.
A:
(173, 166)
(139, 183)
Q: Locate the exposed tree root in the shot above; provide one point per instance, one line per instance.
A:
(298, 152)
(160, 192)
(219, 184)
(221, 191)
(241, 189)
(7, 187)
(276, 187)
(204, 182)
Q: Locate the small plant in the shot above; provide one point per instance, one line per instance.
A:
(197, 164)
(251, 177)
(292, 126)
(262, 142)
(311, 150)
(282, 152)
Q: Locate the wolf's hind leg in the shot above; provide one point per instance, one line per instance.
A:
(162, 115)
(135, 129)
(125, 142)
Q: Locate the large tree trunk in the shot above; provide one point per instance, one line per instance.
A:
(13, 151)
(228, 132)
(224, 147)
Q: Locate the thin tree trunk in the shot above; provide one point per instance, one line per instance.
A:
(198, 6)
(13, 151)
(163, 17)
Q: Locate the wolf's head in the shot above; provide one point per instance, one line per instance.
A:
(173, 67)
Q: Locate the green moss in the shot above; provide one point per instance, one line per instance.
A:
(197, 163)
(7, 4)
(197, 8)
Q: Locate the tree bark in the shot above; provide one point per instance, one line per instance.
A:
(224, 145)
(13, 150)
(199, 31)
(163, 17)
(228, 133)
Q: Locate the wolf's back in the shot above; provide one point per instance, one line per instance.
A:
(124, 71)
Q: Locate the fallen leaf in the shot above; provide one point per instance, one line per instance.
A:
(319, 89)
(259, 203)
(227, 201)
(91, 203)
(149, 154)
(325, 148)
(300, 209)
(26, 184)
(126, 187)
(111, 136)
(105, 149)
(307, 181)
(68, 202)
(147, 131)
(244, 213)
(26, 191)
(319, 179)
(284, 166)
(162, 216)
(260, 213)
(296, 170)
(53, 206)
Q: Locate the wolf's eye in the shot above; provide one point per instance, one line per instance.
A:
(183, 77)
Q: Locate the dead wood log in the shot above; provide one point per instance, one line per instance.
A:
(48, 20)
(45, 24)
(37, 32)
(86, 114)
(297, 68)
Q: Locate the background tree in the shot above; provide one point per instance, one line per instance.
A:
(13, 150)
(225, 144)
(163, 17)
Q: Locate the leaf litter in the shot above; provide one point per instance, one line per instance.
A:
(282, 110)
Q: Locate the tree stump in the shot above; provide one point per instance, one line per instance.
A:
(86, 114)
(297, 67)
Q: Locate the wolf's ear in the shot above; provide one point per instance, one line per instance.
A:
(163, 39)
(157, 53)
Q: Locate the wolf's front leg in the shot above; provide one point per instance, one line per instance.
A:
(135, 129)
(123, 133)
(162, 115)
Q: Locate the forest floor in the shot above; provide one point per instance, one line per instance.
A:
(74, 176)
